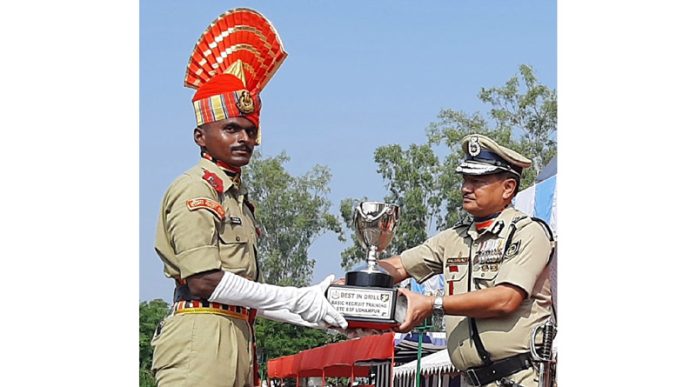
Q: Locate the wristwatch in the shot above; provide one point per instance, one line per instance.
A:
(438, 308)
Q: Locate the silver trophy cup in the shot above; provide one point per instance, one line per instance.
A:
(369, 299)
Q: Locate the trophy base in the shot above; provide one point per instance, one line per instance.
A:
(368, 307)
(366, 278)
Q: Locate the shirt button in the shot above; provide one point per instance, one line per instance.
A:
(237, 238)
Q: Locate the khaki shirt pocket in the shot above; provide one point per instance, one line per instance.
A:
(235, 252)
(456, 279)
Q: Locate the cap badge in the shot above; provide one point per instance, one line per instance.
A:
(474, 146)
(245, 103)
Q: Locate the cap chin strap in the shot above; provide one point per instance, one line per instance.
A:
(476, 168)
(491, 159)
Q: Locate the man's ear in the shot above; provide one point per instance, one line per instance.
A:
(199, 136)
(509, 186)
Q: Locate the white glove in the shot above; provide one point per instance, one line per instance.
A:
(314, 307)
(308, 302)
(284, 315)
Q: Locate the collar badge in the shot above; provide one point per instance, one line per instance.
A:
(497, 227)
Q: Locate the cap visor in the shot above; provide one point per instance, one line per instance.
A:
(476, 169)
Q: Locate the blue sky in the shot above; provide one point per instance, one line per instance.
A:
(359, 75)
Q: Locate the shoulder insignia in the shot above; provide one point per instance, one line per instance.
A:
(214, 180)
(513, 249)
(208, 204)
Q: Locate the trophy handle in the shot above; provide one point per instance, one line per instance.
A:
(372, 218)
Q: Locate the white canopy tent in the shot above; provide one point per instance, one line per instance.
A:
(437, 371)
(437, 362)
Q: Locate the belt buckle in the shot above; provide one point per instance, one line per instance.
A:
(473, 378)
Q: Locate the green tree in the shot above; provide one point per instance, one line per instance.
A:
(293, 211)
(151, 313)
(522, 117)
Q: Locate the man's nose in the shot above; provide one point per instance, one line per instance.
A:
(244, 136)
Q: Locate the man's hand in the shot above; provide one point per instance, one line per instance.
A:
(419, 308)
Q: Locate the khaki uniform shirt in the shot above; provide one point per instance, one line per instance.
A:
(194, 236)
(523, 265)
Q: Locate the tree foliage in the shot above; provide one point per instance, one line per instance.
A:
(522, 117)
(293, 211)
(151, 313)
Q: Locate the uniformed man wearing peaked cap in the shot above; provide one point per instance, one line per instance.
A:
(496, 272)
(207, 235)
(484, 156)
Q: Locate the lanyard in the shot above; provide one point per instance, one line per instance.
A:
(473, 328)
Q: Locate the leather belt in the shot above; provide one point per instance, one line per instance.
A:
(480, 376)
(203, 306)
